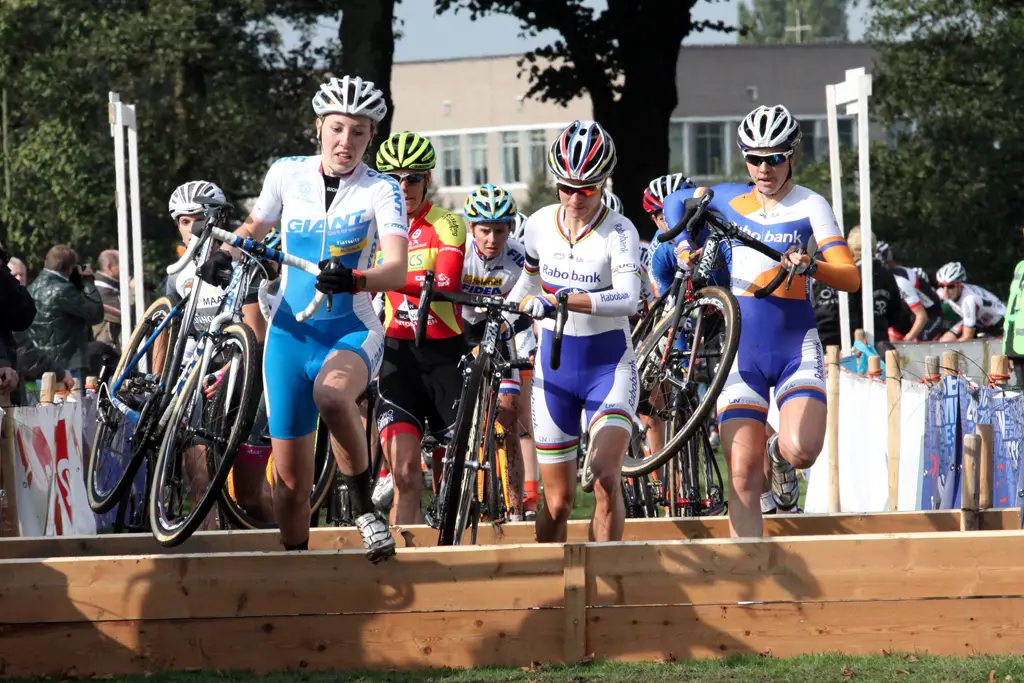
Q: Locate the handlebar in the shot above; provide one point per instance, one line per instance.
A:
(428, 295)
(732, 231)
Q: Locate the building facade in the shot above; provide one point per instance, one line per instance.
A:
(485, 130)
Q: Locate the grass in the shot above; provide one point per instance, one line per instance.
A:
(895, 668)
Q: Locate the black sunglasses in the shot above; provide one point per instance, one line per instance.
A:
(770, 159)
(411, 178)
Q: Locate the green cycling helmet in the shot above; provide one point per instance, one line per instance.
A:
(408, 151)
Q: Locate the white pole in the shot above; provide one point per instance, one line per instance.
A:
(133, 178)
(864, 153)
(120, 200)
(835, 169)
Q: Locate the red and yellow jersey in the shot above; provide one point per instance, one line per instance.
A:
(437, 242)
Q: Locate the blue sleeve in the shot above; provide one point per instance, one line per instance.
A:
(663, 267)
(673, 206)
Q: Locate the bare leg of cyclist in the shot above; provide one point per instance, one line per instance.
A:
(293, 480)
(608, 449)
(527, 447)
(338, 386)
(801, 431)
(743, 440)
(559, 495)
(507, 417)
(402, 449)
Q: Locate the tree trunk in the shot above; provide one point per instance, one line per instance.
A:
(368, 49)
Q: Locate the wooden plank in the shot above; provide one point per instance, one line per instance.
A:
(822, 568)
(986, 465)
(941, 627)
(277, 584)
(969, 483)
(421, 536)
(361, 641)
(893, 390)
(8, 480)
(575, 601)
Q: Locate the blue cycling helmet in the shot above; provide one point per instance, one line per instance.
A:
(273, 239)
(490, 203)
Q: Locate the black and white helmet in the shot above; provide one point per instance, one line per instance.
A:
(769, 127)
(519, 231)
(352, 96)
(922, 275)
(611, 200)
(951, 273)
(183, 200)
(883, 252)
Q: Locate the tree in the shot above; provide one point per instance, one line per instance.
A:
(949, 86)
(624, 58)
(539, 193)
(768, 21)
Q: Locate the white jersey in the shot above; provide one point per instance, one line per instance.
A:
(604, 263)
(366, 207)
(490, 277)
(978, 307)
(647, 294)
(910, 288)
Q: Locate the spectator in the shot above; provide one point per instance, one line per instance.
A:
(8, 376)
(68, 306)
(106, 347)
(17, 311)
(19, 270)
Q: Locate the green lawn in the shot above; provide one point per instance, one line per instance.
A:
(894, 668)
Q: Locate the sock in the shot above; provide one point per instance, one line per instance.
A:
(359, 492)
(768, 503)
(298, 546)
(530, 490)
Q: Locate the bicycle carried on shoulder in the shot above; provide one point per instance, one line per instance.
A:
(474, 449)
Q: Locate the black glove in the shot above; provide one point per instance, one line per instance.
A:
(76, 277)
(335, 278)
(217, 269)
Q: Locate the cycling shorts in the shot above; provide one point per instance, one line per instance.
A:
(981, 330)
(294, 354)
(779, 347)
(420, 388)
(597, 379)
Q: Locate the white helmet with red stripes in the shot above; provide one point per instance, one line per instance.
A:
(582, 154)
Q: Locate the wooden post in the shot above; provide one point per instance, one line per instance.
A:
(1000, 372)
(575, 643)
(969, 484)
(91, 383)
(949, 363)
(832, 426)
(985, 465)
(76, 389)
(931, 369)
(8, 486)
(46, 388)
(874, 366)
(893, 386)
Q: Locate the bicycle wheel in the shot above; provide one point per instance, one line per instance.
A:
(202, 438)
(714, 339)
(110, 473)
(324, 465)
(456, 487)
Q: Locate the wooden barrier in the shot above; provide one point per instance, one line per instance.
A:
(949, 594)
(421, 536)
(893, 388)
(832, 426)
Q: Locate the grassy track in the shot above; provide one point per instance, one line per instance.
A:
(893, 668)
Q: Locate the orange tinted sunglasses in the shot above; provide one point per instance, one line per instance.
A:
(586, 190)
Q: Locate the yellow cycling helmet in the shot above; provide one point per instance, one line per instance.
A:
(406, 150)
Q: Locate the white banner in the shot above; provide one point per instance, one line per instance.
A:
(49, 473)
(973, 357)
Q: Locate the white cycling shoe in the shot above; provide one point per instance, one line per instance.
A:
(377, 538)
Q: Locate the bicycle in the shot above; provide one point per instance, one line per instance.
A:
(473, 450)
(705, 321)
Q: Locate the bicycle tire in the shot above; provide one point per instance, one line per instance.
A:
(169, 533)
(102, 502)
(323, 457)
(454, 471)
(637, 463)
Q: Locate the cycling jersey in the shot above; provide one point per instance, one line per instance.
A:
(779, 345)
(437, 241)
(366, 207)
(597, 374)
(210, 296)
(978, 309)
(647, 293)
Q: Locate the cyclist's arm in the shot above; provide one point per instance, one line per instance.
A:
(838, 270)
(392, 264)
(266, 211)
(913, 301)
(663, 268)
(969, 317)
(621, 300)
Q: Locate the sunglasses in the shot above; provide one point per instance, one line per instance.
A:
(586, 190)
(770, 159)
(411, 178)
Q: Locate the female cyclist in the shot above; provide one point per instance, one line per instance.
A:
(591, 251)
(779, 346)
(335, 210)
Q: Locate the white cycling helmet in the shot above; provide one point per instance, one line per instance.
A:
(353, 96)
(611, 200)
(883, 252)
(951, 273)
(183, 200)
(661, 187)
(519, 231)
(769, 127)
(646, 255)
(582, 154)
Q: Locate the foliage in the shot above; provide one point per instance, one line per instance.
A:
(949, 84)
(539, 193)
(767, 21)
(624, 58)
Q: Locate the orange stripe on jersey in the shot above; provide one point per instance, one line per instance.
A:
(838, 269)
(797, 288)
(745, 204)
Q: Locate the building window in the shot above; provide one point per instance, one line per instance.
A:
(847, 132)
(709, 148)
(478, 158)
(538, 151)
(676, 151)
(510, 171)
(451, 160)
